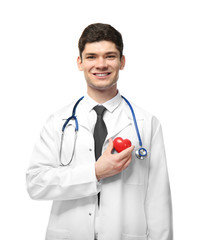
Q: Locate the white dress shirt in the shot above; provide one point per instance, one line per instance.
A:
(111, 105)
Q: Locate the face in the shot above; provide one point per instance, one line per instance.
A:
(101, 63)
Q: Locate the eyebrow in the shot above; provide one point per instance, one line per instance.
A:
(107, 53)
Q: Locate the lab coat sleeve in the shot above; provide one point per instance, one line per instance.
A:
(47, 180)
(158, 198)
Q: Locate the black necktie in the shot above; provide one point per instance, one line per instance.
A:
(100, 130)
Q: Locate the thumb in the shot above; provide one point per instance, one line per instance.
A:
(110, 146)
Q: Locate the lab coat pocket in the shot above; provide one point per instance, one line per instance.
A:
(133, 237)
(135, 172)
(57, 235)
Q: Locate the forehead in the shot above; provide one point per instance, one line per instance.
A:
(100, 47)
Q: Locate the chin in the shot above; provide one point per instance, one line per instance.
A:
(102, 87)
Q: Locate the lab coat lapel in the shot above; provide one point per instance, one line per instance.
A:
(82, 118)
(117, 124)
(124, 120)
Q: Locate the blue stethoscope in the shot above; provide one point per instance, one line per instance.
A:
(140, 153)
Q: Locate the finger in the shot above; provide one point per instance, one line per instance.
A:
(126, 152)
(124, 162)
(126, 158)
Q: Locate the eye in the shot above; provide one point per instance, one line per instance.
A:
(111, 56)
(91, 57)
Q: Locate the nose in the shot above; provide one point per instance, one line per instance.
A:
(101, 63)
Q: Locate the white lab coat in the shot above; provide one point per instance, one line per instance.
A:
(134, 205)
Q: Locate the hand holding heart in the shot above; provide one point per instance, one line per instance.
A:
(111, 164)
(121, 144)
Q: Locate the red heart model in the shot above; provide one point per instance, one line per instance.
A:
(121, 144)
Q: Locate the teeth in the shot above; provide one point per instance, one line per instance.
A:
(101, 74)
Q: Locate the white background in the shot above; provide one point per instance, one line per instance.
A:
(164, 72)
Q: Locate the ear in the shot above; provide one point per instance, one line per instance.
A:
(122, 62)
(79, 63)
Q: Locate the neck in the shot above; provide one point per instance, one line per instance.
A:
(102, 96)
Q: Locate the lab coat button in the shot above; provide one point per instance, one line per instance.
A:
(90, 149)
(90, 214)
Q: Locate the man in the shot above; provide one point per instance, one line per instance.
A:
(99, 193)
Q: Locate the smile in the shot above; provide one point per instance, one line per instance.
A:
(101, 74)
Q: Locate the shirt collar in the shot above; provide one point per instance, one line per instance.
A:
(110, 105)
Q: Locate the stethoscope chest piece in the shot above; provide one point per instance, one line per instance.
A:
(141, 153)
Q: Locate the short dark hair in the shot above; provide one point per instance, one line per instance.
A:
(100, 32)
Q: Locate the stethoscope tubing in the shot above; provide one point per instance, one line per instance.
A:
(141, 152)
(73, 116)
(134, 120)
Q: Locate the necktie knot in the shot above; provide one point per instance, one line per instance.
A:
(99, 109)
